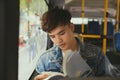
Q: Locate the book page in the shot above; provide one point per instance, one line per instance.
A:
(74, 65)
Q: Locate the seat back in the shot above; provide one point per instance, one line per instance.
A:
(117, 41)
(110, 28)
(93, 27)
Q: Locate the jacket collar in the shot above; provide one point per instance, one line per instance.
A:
(81, 44)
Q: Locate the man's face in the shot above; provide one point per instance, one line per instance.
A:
(63, 36)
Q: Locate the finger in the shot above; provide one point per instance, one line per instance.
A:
(41, 77)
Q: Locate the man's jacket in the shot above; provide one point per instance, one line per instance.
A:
(52, 59)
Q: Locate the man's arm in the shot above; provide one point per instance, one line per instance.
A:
(39, 69)
(100, 64)
(40, 66)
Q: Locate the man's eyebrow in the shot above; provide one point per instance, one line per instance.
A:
(61, 31)
(58, 32)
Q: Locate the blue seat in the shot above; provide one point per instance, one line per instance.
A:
(93, 27)
(117, 41)
(110, 28)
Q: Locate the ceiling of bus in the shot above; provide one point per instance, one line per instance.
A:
(93, 8)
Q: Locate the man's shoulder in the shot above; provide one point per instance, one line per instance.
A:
(91, 46)
(92, 50)
(50, 51)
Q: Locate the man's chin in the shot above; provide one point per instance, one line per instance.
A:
(63, 48)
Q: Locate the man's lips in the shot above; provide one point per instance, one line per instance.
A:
(62, 45)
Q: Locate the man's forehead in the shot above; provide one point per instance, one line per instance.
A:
(57, 30)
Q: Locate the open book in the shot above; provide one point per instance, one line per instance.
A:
(73, 66)
(54, 75)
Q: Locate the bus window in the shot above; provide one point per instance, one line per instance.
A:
(31, 37)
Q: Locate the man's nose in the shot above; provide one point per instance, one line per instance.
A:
(58, 39)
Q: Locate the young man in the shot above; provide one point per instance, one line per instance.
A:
(61, 32)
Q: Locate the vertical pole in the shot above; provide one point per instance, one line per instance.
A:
(82, 19)
(105, 26)
(117, 15)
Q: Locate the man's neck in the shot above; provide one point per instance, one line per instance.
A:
(74, 46)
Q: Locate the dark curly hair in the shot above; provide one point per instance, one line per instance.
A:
(56, 17)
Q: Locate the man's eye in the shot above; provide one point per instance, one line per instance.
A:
(62, 33)
(52, 36)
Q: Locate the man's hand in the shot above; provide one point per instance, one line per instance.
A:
(41, 77)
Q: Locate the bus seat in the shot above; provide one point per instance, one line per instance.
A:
(110, 28)
(93, 27)
(117, 41)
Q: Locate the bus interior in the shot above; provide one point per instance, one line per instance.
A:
(22, 39)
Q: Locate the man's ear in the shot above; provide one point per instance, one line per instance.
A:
(72, 27)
